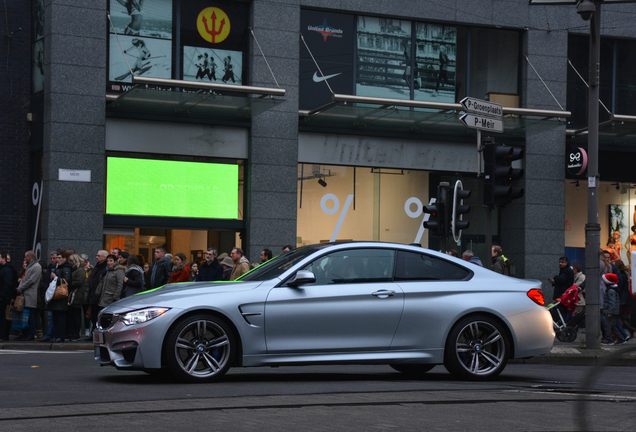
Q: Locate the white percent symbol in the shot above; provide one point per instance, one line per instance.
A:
(334, 209)
(36, 198)
(417, 213)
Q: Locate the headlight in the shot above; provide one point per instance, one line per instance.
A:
(142, 315)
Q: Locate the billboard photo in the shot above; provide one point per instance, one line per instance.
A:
(146, 57)
(149, 18)
(212, 65)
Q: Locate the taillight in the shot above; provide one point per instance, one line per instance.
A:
(536, 295)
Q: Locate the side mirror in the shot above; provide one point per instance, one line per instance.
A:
(302, 277)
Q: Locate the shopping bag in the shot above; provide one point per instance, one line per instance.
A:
(8, 313)
(51, 290)
(18, 304)
(20, 320)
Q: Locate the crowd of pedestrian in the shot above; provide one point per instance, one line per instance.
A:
(31, 309)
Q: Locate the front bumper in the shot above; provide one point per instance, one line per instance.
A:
(135, 347)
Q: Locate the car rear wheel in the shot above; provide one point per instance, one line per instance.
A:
(413, 369)
(477, 349)
(200, 348)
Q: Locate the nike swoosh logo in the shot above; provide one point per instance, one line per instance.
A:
(319, 78)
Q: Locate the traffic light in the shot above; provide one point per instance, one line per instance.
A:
(437, 220)
(459, 209)
(499, 174)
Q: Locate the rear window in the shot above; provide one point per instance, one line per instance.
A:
(412, 266)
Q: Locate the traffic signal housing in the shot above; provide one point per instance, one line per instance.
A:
(499, 174)
(459, 209)
(437, 223)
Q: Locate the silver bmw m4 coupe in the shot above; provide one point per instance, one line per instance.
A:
(343, 303)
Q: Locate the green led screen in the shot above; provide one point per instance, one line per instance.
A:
(145, 187)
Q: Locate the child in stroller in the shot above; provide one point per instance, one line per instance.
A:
(566, 321)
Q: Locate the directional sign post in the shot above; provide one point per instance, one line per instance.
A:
(482, 115)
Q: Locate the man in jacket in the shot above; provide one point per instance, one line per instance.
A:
(611, 309)
(46, 277)
(241, 264)
(161, 269)
(8, 280)
(564, 280)
(211, 269)
(93, 282)
(29, 289)
(498, 261)
(469, 256)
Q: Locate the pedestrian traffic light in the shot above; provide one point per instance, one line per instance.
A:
(437, 222)
(459, 209)
(499, 174)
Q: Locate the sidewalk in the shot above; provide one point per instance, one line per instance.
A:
(562, 353)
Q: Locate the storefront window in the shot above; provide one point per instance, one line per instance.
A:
(353, 203)
(616, 213)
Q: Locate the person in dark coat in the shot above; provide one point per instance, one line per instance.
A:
(564, 280)
(93, 299)
(211, 269)
(161, 269)
(46, 281)
(59, 307)
(134, 278)
(76, 298)
(8, 282)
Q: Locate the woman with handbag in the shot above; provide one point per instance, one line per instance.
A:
(76, 298)
(59, 305)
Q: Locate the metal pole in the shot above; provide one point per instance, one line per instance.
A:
(488, 262)
(592, 228)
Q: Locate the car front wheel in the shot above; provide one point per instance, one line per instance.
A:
(200, 348)
(477, 349)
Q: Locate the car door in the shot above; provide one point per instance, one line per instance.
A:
(436, 290)
(352, 306)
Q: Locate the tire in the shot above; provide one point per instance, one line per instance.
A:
(568, 334)
(200, 348)
(477, 349)
(413, 369)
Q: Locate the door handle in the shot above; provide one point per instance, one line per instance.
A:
(384, 293)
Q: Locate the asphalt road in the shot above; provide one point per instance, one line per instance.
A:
(67, 391)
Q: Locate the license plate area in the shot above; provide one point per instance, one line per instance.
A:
(98, 338)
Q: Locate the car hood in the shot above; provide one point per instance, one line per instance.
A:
(172, 294)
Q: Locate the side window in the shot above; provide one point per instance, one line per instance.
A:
(353, 266)
(413, 266)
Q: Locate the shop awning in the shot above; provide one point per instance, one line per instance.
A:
(618, 130)
(433, 118)
(177, 98)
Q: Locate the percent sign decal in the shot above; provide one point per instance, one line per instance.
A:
(336, 206)
(416, 214)
(36, 198)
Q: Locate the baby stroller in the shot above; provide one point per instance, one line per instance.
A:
(566, 331)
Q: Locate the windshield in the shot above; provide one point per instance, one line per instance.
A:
(280, 264)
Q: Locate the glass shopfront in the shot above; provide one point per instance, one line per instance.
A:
(616, 215)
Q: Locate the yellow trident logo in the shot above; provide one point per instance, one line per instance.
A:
(213, 25)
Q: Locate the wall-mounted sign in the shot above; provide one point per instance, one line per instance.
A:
(576, 161)
(74, 175)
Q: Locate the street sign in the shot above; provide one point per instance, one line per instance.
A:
(482, 123)
(482, 107)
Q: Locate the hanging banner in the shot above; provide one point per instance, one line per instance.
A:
(330, 38)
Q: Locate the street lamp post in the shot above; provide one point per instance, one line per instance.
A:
(592, 11)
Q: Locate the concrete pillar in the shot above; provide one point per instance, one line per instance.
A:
(272, 168)
(74, 114)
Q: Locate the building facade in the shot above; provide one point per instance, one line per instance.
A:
(93, 159)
